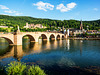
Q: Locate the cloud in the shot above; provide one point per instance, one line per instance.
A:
(62, 8)
(71, 5)
(66, 8)
(43, 6)
(3, 7)
(96, 9)
(4, 14)
(9, 11)
(13, 12)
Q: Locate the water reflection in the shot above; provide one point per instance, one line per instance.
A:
(18, 52)
(81, 41)
(4, 47)
(30, 47)
(59, 52)
(68, 44)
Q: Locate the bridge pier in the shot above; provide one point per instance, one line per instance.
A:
(17, 39)
(36, 39)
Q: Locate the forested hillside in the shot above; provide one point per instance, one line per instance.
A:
(21, 21)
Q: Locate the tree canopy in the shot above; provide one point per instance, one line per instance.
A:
(14, 21)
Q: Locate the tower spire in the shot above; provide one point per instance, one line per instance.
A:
(81, 25)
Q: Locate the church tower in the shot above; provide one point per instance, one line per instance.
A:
(81, 26)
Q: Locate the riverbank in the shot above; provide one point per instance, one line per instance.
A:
(83, 38)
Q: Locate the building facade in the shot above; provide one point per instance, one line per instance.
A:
(34, 26)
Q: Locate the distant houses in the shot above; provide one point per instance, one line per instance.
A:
(34, 26)
(75, 32)
(82, 32)
(5, 27)
(92, 31)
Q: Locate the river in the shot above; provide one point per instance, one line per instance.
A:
(58, 57)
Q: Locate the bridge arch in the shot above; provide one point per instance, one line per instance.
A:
(30, 37)
(58, 36)
(44, 37)
(52, 37)
(9, 40)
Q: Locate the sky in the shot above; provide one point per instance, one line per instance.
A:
(52, 9)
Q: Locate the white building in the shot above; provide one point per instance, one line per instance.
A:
(5, 27)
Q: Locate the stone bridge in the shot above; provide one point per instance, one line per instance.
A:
(16, 38)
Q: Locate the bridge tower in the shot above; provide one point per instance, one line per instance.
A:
(17, 37)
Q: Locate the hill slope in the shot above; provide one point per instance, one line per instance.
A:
(21, 21)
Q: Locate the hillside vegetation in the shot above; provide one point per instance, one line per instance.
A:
(21, 21)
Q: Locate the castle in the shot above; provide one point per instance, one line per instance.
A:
(34, 26)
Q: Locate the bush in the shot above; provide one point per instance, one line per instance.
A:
(16, 68)
(35, 70)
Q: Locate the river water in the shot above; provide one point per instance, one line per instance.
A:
(55, 57)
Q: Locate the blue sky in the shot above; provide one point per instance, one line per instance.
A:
(52, 9)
